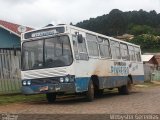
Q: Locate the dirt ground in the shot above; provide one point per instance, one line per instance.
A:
(141, 101)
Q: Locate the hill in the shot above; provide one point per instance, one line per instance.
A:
(145, 26)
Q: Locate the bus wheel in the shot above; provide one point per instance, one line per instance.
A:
(126, 89)
(51, 97)
(99, 93)
(90, 92)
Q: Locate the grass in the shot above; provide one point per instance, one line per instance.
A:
(5, 99)
(148, 84)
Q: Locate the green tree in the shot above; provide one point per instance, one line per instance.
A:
(147, 42)
(140, 29)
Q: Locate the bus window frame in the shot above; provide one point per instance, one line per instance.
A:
(43, 39)
(121, 43)
(139, 50)
(102, 43)
(91, 56)
(112, 51)
(135, 60)
(77, 44)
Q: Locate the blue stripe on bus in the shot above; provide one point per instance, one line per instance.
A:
(81, 83)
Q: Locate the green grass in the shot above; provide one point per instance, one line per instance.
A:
(6, 99)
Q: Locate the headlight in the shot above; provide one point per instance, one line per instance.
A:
(24, 83)
(61, 80)
(66, 79)
(29, 82)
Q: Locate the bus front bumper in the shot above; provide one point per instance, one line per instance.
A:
(56, 88)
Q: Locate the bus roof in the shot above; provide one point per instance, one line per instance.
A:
(68, 27)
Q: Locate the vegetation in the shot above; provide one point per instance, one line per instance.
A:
(148, 42)
(5, 99)
(145, 26)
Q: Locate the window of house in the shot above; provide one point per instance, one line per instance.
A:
(115, 49)
(92, 45)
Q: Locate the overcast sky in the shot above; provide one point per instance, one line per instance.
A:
(38, 13)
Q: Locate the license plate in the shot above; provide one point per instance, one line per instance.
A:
(44, 88)
(57, 87)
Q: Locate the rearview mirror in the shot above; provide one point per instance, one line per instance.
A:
(80, 38)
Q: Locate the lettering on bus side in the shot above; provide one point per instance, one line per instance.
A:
(120, 68)
(133, 68)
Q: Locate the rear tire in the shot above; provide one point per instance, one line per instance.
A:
(126, 89)
(90, 92)
(51, 97)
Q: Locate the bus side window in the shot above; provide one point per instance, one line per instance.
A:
(131, 53)
(124, 51)
(104, 47)
(115, 50)
(138, 54)
(80, 49)
(92, 45)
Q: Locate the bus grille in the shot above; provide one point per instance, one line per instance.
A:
(45, 81)
(33, 74)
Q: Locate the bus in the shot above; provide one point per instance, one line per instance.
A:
(65, 59)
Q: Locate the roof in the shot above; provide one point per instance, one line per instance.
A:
(157, 57)
(146, 58)
(13, 28)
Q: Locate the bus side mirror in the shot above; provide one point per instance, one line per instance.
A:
(80, 38)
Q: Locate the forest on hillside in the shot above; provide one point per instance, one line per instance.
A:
(145, 26)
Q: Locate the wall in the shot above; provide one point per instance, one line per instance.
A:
(148, 70)
(8, 40)
(9, 62)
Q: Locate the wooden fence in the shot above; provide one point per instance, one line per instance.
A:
(156, 75)
(10, 62)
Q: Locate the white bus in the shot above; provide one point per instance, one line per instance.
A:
(67, 59)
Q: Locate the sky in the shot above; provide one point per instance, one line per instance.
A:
(39, 13)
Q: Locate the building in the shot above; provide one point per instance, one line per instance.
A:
(157, 57)
(150, 65)
(10, 44)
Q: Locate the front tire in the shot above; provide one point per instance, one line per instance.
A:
(90, 92)
(51, 97)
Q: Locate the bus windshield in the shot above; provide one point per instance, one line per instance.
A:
(46, 53)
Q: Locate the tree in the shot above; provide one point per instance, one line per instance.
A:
(140, 29)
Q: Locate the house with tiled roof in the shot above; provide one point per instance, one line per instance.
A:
(10, 59)
(10, 34)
